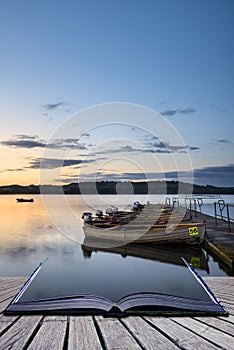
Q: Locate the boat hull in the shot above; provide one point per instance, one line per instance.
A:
(21, 200)
(192, 233)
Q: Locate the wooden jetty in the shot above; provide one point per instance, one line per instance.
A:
(133, 333)
(219, 241)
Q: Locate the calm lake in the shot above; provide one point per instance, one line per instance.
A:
(52, 227)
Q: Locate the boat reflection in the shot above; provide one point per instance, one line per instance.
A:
(166, 254)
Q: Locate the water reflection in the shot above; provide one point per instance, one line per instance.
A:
(28, 236)
(165, 254)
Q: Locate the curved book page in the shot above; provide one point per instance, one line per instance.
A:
(115, 291)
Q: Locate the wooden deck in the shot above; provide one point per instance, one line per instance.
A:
(133, 333)
(220, 242)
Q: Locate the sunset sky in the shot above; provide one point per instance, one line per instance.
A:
(174, 57)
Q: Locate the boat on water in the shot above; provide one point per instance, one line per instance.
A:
(163, 253)
(20, 200)
(192, 233)
(150, 225)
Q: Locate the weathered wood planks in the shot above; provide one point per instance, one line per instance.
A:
(19, 334)
(134, 333)
(51, 334)
(83, 334)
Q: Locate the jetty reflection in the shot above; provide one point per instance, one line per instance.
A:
(166, 254)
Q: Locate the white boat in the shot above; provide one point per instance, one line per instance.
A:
(189, 233)
(153, 224)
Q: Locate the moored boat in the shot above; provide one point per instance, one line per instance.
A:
(189, 233)
(151, 225)
(20, 200)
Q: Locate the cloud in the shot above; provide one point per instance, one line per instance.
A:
(66, 144)
(11, 170)
(215, 175)
(172, 112)
(150, 147)
(53, 106)
(183, 148)
(187, 110)
(160, 147)
(52, 163)
(193, 148)
(26, 141)
(26, 137)
(223, 141)
(212, 175)
(23, 143)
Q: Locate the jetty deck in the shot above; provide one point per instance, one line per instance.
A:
(133, 333)
(220, 242)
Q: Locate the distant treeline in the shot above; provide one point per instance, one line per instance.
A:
(112, 187)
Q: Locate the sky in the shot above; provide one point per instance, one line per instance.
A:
(60, 58)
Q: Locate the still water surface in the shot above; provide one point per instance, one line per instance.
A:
(52, 227)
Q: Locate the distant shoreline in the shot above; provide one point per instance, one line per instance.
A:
(110, 187)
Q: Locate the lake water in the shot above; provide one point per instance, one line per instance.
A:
(52, 227)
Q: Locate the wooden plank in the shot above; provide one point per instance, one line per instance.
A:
(228, 307)
(18, 335)
(147, 336)
(6, 321)
(4, 293)
(6, 287)
(181, 336)
(208, 332)
(116, 335)
(218, 281)
(10, 286)
(13, 279)
(83, 334)
(229, 319)
(7, 281)
(6, 302)
(220, 324)
(187, 333)
(225, 294)
(51, 334)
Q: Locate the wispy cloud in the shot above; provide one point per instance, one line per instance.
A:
(187, 110)
(172, 112)
(53, 163)
(216, 175)
(27, 141)
(11, 170)
(23, 143)
(26, 137)
(150, 147)
(53, 106)
(213, 175)
(223, 141)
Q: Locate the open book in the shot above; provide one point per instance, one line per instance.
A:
(200, 302)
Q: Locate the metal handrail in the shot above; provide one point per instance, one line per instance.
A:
(221, 205)
(197, 202)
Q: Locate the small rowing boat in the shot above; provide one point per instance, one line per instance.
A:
(20, 200)
(192, 233)
(151, 225)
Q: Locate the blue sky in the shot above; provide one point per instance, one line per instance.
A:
(175, 57)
